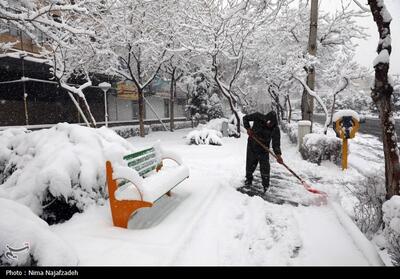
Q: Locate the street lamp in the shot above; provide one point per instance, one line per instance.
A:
(105, 86)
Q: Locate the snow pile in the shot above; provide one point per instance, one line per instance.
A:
(291, 129)
(391, 217)
(26, 240)
(204, 136)
(319, 147)
(59, 171)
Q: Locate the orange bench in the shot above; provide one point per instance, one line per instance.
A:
(142, 182)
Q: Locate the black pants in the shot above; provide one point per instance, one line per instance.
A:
(257, 155)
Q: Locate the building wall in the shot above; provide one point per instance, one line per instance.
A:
(119, 109)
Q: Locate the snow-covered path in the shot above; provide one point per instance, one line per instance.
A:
(207, 222)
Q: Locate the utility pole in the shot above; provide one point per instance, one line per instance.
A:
(307, 101)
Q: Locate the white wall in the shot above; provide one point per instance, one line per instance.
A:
(127, 110)
(124, 109)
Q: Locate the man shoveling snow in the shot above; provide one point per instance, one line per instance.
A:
(265, 128)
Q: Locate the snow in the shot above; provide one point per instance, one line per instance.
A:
(207, 222)
(345, 112)
(318, 140)
(383, 57)
(204, 136)
(154, 186)
(365, 246)
(304, 123)
(19, 228)
(384, 12)
(391, 210)
(123, 172)
(66, 161)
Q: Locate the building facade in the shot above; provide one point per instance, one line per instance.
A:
(28, 96)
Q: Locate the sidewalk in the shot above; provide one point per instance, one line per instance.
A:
(208, 222)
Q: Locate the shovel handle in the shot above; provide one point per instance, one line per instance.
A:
(269, 151)
(306, 186)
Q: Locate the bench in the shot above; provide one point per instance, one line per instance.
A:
(141, 181)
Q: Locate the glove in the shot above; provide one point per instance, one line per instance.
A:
(250, 132)
(279, 159)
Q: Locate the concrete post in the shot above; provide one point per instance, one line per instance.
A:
(304, 129)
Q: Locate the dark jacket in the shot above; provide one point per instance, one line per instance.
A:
(264, 133)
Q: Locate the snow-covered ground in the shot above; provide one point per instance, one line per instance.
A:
(207, 222)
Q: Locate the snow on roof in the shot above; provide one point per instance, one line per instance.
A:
(346, 112)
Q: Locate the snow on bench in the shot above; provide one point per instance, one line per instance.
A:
(142, 182)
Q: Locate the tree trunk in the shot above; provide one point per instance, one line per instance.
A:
(86, 111)
(141, 112)
(382, 97)
(333, 109)
(290, 108)
(307, 101)
(172, 101)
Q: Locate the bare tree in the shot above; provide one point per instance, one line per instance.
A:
(382, 96)
(138, 39)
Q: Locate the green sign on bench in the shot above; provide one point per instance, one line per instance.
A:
(143, 161)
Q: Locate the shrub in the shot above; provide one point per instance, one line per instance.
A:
(59, 171)
(370, 193)
(291, 129)
(391, 218)
(319, 147)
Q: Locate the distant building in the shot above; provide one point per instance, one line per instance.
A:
(123, 102)
(29, 97)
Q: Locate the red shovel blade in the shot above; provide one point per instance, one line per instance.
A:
(312, 190)
(322, 198)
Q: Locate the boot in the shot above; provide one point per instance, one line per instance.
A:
(265, 183)
(248, 182)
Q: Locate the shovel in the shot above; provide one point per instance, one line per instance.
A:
(302, 181)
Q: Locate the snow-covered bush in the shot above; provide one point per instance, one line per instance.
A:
(319, 147)
(391, 217)
(217, 124)
(26, 240)
(59, 171)
(130, 131)
(370, 193)
(204, 136)
(291, 129)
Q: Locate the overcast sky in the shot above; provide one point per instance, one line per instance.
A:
(366, 51)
